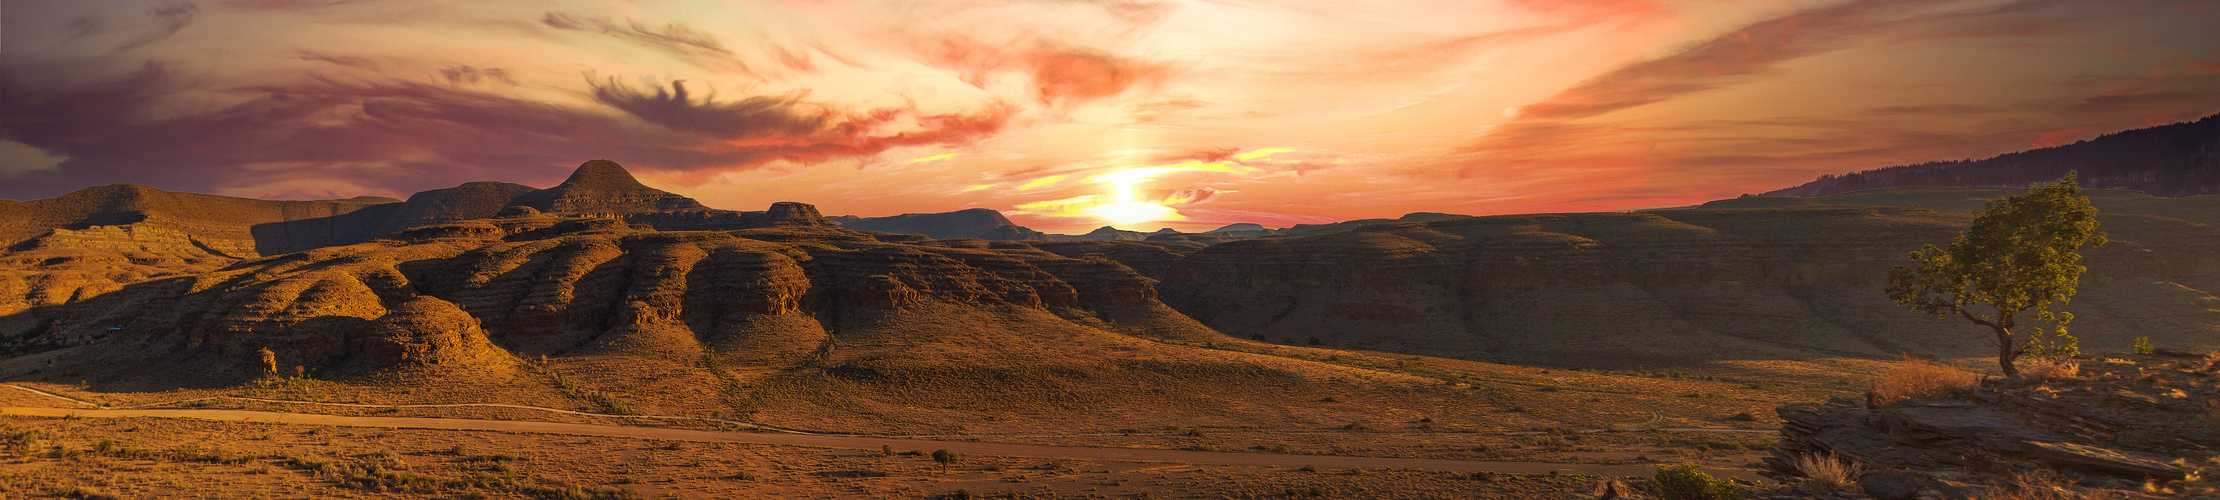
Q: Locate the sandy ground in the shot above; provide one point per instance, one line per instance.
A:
(228, 454)
(870, 443)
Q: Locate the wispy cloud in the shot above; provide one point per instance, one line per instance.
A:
(169, 18)
(402, 136)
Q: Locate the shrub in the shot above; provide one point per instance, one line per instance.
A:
(946, 457)
(2143, 345)
(1689, 482)
(2045, 370)
(1829, 471)
(1918, 378)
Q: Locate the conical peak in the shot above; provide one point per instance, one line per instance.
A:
(602, 174)
(601, 188)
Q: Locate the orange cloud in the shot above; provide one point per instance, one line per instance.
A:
(1060, 74)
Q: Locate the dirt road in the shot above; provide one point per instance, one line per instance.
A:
(873, 443)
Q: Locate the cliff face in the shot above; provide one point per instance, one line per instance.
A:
(1664, 288)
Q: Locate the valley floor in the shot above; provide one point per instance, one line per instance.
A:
(301, 456)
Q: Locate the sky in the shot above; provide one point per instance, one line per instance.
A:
(1067, 115)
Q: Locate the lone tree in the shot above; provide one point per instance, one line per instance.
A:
(2019, 256)
(269, 363)
(946, 457)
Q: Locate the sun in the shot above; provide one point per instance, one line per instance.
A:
(1134, 212)
(1127, 209)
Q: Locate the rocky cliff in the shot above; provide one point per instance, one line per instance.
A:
(2133, 423)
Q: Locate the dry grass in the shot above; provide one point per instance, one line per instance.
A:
(1829, 471)
(2040, 369)
(1912, 378)
(2041, 485)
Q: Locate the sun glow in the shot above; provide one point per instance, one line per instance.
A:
(1125, 203)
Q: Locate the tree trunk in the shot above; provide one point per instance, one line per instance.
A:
(2007, 351)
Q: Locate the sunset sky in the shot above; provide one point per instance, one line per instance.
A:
(1068, 114)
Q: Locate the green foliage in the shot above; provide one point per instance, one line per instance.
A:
(946, 457)
(2020, 255)
(2143, 345)
(1689, 482)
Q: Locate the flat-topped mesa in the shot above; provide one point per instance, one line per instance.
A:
(602, 188)
(979, 223)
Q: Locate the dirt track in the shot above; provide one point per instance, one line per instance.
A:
(873, 443)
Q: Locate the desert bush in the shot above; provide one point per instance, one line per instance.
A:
(1829, 471)
(946, 457)
(1919, 378)
(2143, 345)
(1689, 482)
(2046, 370)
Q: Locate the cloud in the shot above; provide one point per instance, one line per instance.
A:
(2206, 67)
(84, 26)
(169, 18)
(460, 74)
(675, 39)
(1059, 74)
(282, 4)
(19, 159)
(404, 136)
(756, 117)
(1726, 59)
(348, 61)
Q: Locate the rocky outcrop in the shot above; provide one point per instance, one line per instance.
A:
(980, 223)
(2079, 426)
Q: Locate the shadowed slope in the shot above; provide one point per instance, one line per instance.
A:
(1670, 287)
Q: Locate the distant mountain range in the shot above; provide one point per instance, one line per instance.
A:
(602, 269)
(987, 224)
(2172, 161)
(139, 218)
